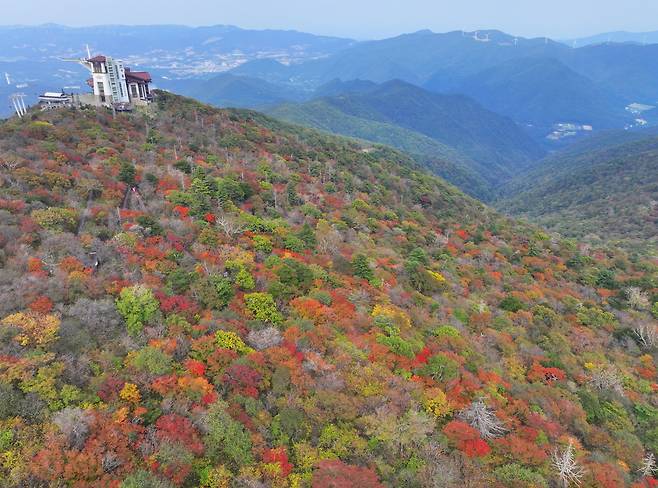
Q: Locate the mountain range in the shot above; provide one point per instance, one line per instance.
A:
(616, 36)
(32, 55)
(553, 82)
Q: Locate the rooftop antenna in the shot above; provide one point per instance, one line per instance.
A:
(88, 52)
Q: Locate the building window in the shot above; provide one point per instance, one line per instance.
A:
(133, 89)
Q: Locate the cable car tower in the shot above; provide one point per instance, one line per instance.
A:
(17, 100)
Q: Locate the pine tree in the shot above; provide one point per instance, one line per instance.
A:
(361, 267)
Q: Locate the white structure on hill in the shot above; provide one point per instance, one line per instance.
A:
(114, 84)
(54, 99)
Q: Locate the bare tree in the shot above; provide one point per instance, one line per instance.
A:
(265, 338)
(483, 418)
(648, 467)
(647, 333)
(230, 225)
(607, 379)
(637, 299)
(74, 424)
(568, 469)
(327, 236)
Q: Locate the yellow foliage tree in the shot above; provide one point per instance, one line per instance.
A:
(436, 403)
(394, 314)
(130, 393)
(215, 477)
(230, 340)
(36, 329)
(438, 277)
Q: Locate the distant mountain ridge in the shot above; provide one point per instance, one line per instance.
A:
(591, 84)
(650, 37)
(540, 91)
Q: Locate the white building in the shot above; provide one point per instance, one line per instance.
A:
(114, 84)
(54, 99)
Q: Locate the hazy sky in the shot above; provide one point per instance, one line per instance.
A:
(353, 18)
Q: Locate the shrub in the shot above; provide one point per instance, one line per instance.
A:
(226, 440)
(517, 476)
(232, 341)
(441, 368)
(263, 244)
(511, 304)
(152, 360)
(214, 291)
(138, 306)
(295, 276)
(262, 307)
(56, 218)
(447, 331)
(127, 173)
(145, 479)
(595, 317)
(244, 279)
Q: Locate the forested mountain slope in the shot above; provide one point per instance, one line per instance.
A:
(210, 298)
(607, 193)
(439, 158)
(234, 91)
(484, 147)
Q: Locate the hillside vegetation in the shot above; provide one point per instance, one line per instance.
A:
(594, 190)
(210, 298)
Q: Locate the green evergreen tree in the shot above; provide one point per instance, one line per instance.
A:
(361, 268)
(127, 173)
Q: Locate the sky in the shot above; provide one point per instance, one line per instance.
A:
(360, 19)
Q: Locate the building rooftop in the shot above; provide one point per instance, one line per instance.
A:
(54, 95)
(98, 59)
(139, 76)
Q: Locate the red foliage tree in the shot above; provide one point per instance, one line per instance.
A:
(538, 372)
(243, 379)
(177, 428)
(42, 304)
(466, 439)
(334, 473)
(279, 456)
